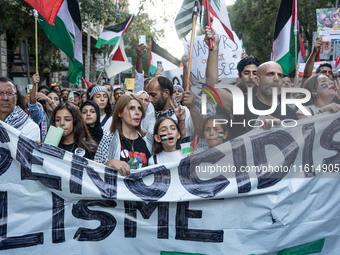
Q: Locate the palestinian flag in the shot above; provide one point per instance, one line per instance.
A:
(164, 138)
(302, 58)
(47, 9)
(161, 56)
(218, 9)
(118, 62)
(286, 28)
(65, 34)
(219, 135)
(111, 35)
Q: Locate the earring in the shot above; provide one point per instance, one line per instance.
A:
(316, 96)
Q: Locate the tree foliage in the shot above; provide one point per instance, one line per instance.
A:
(17, 21)
(255, 21)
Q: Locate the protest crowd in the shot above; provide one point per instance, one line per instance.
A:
(160, 122)
(124, 129)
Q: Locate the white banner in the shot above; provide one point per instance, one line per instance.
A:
(54, 202)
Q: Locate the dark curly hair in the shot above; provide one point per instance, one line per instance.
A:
(250, 60)
(165, 83)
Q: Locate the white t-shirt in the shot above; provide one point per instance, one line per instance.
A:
(312, 109)
(108, 122)
(30, 129)
(150, 121)
(166, 157)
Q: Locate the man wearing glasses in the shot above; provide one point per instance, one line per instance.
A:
(11, 110)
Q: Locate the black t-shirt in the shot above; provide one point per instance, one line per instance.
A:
(73, 148)
(239, 129)
(139, 150)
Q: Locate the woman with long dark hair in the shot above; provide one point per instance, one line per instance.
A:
(90, 114)
(76, 137)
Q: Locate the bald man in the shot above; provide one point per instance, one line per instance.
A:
(269, 76)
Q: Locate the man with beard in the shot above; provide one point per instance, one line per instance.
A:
(247, 69)
(160, 92)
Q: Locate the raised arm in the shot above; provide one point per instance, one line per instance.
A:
(212, 69)
(36, 80)
(139, 79)
(185, 60)
(311, 59)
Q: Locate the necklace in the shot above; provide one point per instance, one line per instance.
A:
(131, 144)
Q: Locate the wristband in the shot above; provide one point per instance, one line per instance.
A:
(52, 102)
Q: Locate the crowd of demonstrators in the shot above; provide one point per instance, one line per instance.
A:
(127, 130)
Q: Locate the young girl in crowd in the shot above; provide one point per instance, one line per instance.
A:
(100, 96)
(323, 91)
(90, 114)
(76, 138)
(214, 135)
(166, 145)
(126, 136)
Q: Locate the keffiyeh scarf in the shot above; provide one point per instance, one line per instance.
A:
(17, 118)
(167, 113)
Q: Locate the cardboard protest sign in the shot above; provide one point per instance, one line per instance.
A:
(228, 56)
(54, 202)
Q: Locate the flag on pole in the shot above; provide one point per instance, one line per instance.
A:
(46, 8)
(118, 62)
(284, 38)
(66, 35)
(161, 56)
(219, 10)
(337, 62)
(87, 83)
(302, 58)
(183, 20)
(111, 35)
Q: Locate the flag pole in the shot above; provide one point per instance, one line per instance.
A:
(194, 18)
(209, 23)
(36, 43)
(296, 82)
